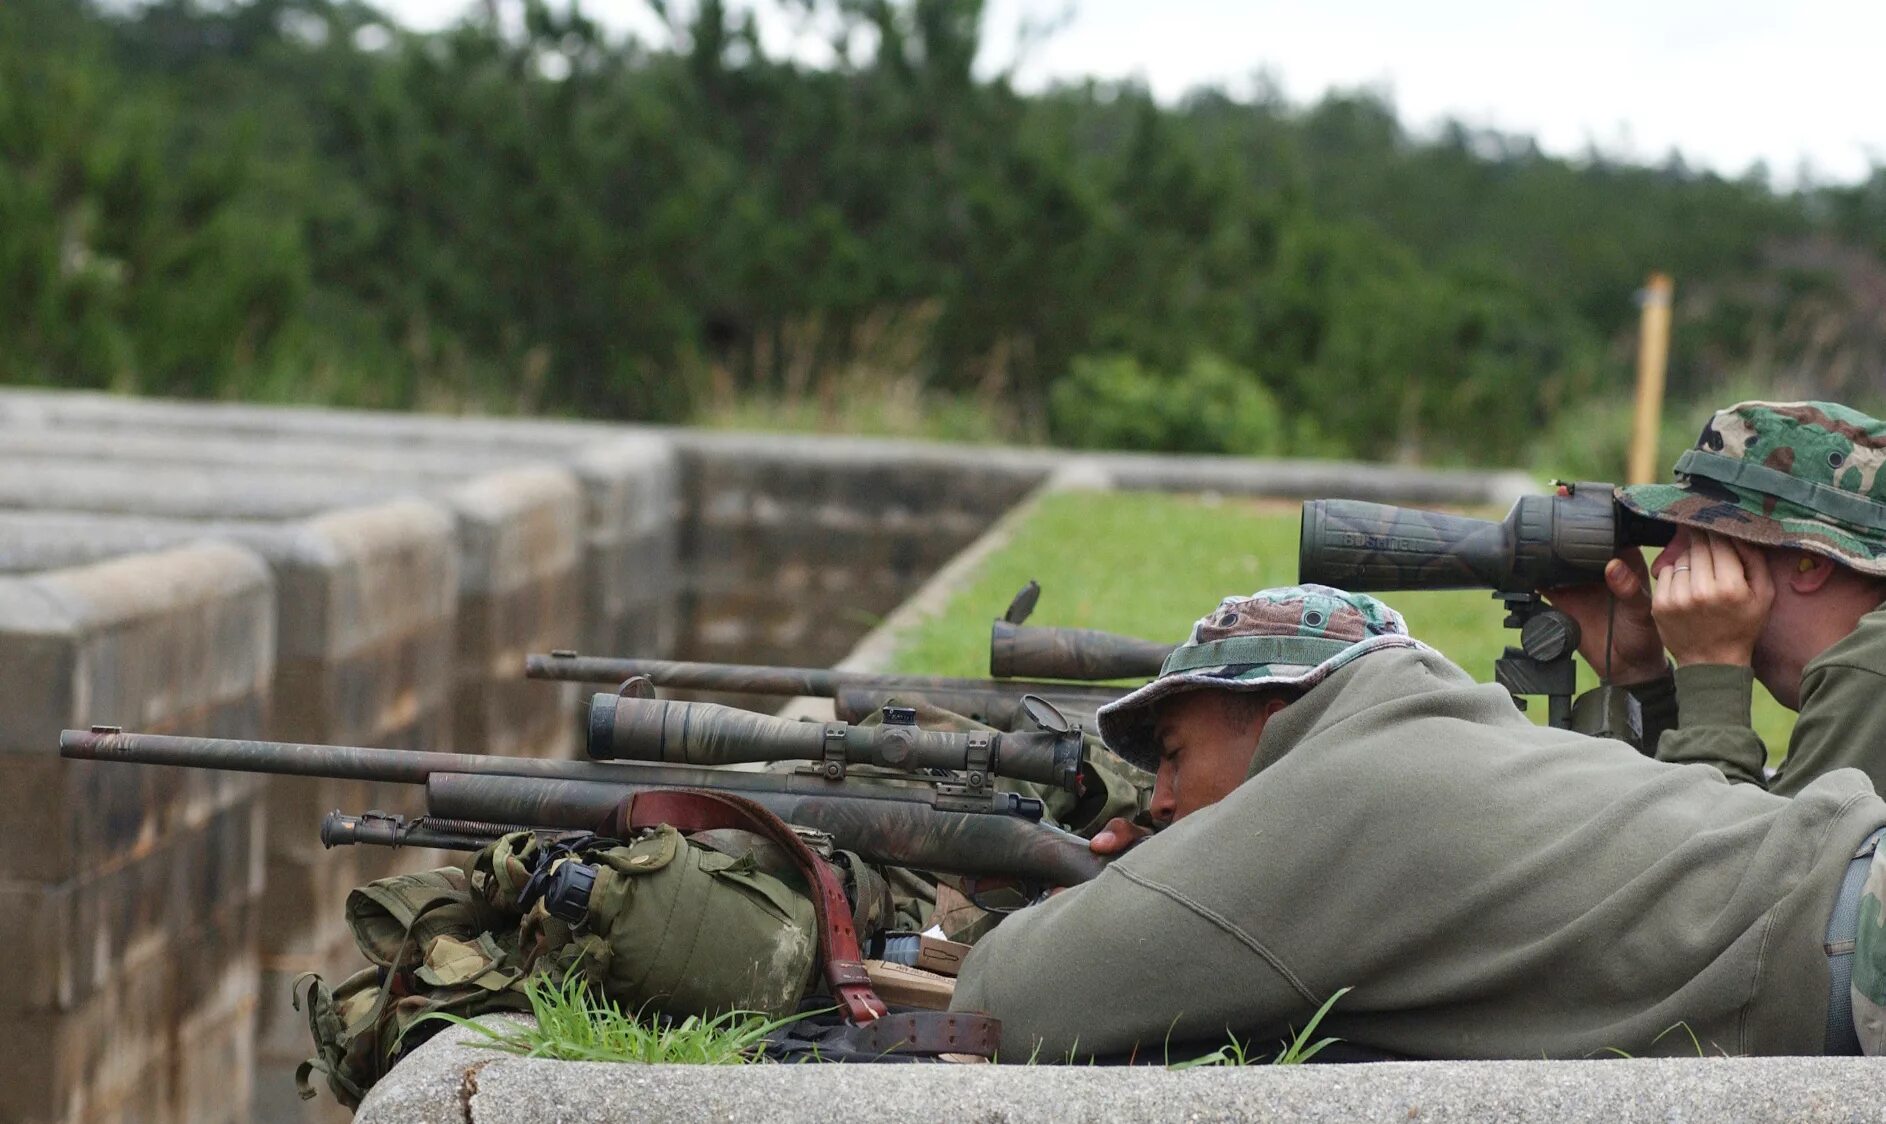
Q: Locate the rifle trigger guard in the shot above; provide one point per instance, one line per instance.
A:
(833, 767)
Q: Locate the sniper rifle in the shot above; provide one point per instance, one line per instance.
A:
(927, 801)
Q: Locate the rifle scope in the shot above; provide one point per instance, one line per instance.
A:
(1545, 542)
(667, 730)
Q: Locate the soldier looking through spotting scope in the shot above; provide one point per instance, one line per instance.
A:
(1777, 575)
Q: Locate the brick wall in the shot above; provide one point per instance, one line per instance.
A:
(129, 910)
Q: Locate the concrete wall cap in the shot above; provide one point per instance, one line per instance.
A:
(449, 1081)
(497, 496)
(339, 536)
(628, 452)
(31, 608)
(125, 589)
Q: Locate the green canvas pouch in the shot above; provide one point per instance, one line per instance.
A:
(688, 930)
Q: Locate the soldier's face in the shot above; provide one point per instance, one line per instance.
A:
(1206, 741)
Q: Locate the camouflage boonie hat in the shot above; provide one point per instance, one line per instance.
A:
(1293, 636)
(1806, 475)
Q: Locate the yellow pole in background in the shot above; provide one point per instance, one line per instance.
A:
(1653, 356)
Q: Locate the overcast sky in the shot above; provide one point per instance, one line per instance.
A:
(1795, 83)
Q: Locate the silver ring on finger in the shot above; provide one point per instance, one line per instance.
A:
(1679, 569)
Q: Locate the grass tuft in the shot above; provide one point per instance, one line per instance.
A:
(576, 1024)
(1295, 1052)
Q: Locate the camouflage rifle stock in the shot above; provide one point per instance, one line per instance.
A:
(956, 823)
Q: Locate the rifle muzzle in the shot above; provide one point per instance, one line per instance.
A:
(1027, 652)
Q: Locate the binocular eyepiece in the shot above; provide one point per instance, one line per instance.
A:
(1546, 541)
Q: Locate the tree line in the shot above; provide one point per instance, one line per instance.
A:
(301, 200)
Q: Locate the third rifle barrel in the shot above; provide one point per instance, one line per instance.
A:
(760, 679)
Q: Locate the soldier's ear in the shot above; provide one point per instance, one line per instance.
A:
(1810, 572)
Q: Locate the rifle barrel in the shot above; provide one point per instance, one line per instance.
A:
(761, 679)
(409, 766)
(990, 708)
(880, 831)
(1072, 653)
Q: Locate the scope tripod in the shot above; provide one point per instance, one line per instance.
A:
(1542, 665)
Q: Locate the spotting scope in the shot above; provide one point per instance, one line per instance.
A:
(1562, 538)
(1546, 542)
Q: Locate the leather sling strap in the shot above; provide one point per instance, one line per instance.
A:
(927, 1032)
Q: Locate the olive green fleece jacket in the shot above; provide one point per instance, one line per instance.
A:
(1488, 888)
(1842, 723)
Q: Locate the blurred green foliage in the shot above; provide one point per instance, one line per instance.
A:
(1210, 406)
(297, 199)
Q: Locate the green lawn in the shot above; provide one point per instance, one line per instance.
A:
(1149, 565)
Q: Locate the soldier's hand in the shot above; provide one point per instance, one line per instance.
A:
(1119, 834)
(1712, 599)
(1636, 646)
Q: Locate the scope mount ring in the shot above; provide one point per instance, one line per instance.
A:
(833, 764)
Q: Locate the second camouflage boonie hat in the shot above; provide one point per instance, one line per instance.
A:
(1805, 475)
(1292, 636)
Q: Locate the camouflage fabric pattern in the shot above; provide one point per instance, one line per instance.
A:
(1869, 960)
(1806, 475)
(1291, 636)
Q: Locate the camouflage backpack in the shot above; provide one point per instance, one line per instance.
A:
(434, 946)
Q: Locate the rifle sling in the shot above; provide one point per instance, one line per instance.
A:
(923, 1032)
(691, 810)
